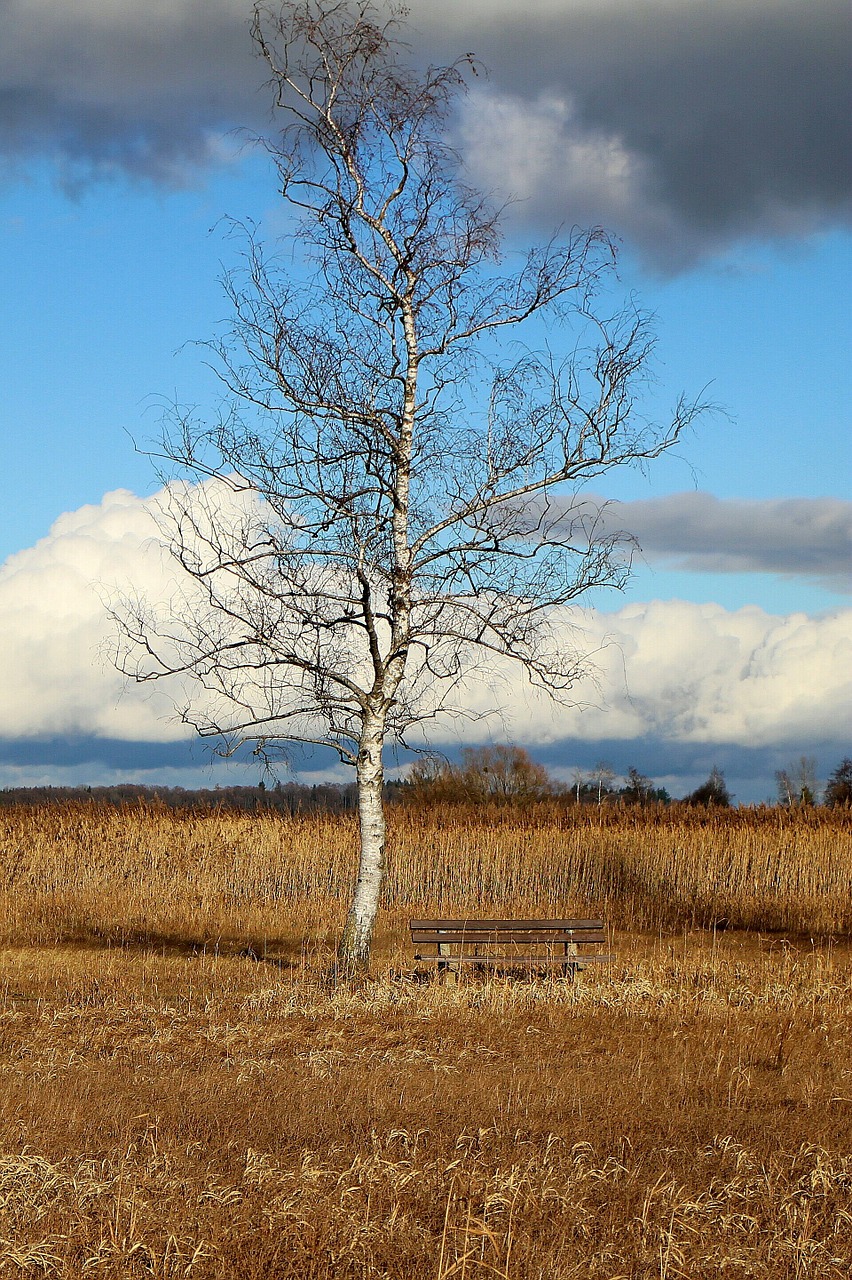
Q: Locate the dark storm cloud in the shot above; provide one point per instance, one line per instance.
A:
(808, 537)
(738, 115)
(683, 124)
(72, 750)
(117, 86)
(67, 750)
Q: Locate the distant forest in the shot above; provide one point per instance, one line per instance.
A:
(288, 797)
(502, 775)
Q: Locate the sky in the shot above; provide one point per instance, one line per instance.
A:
(712, 137)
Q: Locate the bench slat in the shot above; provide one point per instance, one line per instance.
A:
(579, 961)
(554, 938)
(495, 926)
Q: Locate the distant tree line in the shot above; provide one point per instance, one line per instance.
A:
(502, 774)
(287, 797)
(507, 773)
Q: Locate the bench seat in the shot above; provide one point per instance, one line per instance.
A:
(506, 944)
(576, 962)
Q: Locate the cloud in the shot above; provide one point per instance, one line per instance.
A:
(553, 167)
(107, 86)
(696, 674)
(802, 537)
(699, 123)
(667, 671)
(682, 124)
(56, 679)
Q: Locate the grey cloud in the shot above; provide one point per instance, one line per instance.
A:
(115, 86)
(114, 753)
(734, 119)
(683, 124)
(809, 537)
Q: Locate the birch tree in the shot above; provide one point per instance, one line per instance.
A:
(401, 510)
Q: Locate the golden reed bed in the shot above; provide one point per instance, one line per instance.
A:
(74, 871)
(182, 1093)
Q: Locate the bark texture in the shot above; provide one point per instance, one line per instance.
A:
(353, 953)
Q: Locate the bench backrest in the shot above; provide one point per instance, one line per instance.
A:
(542, 931)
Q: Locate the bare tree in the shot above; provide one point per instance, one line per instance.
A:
(637, 787)
(391, 499)
(798, 784)
(603, 777)
(504, 772)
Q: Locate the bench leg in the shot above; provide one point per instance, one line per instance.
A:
(447, 971)
(572, 971)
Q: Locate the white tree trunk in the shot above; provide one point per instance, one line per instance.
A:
(354, 950)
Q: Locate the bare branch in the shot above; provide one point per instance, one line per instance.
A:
(385, 507)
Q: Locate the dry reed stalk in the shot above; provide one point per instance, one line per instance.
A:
(77, 871)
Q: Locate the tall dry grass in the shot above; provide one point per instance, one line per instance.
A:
(80, 871)
(210, 1116)
(182, 1094)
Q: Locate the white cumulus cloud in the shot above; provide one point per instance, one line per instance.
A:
(671, 670)
(57, 679)
(675, 671)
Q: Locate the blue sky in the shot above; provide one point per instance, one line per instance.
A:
(111, 248)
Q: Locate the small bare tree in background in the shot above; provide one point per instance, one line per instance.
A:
(603, 777)
(502, 772)
(798, 784)
(402, 510)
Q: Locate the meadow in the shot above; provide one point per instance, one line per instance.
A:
(184, 1092)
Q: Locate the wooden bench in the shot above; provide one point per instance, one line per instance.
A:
(508, 944)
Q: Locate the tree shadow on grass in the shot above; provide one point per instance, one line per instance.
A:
(280, 952)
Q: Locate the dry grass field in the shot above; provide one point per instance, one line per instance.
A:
(183, 1093)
